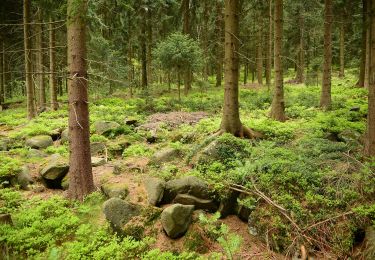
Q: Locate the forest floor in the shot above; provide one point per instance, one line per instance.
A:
(311, 167)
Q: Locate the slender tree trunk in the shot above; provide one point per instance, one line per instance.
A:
(186, 30)
(2, 78)
(40, 62)
(342, 49)
(149, 47)
(245, 73)
(219, 40)
(367, 63)
(325, 99)
(259, 54)
(5, 90)
(370, 140)
(31, 111)
(278, 103)
(179, 85)
(361, 80)
(269, 49)
(144, 51)
(81, 179)
(301, 55)
(52, 66)
(205, 40)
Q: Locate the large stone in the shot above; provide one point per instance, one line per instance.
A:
(34, 153)
(54, 172)
(165, 155)
(97, 148)
(176, 219)
(186, 199)
(39, 142)
(119, 212)
(97, 161)
(24, 179)
(64, 136)
(155, 190)
(187, 185)
(115, 190)
(102, 127)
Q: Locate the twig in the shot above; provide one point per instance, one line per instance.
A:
(75, 112)
(327, 220)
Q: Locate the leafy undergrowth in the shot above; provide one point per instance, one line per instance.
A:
(319, 190)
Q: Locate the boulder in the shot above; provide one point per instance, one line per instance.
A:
(187, 185)
(119, 212)
(54, 172)
(165, 155)
(34, 153)
(24, 179)
(102, 127)
(131, 121)
(117, 146)
(39, 142)
(97, 148)
(176, 219)
(64, 136)
(186, 199)
(97, 161)
(155, 190)
(6, 219)
(115, 190)
(117, 168)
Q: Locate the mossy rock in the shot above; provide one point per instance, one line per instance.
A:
(176, 219)
(54, 172)
(155, 190)
(115, 190)
(103, 127)
(165, 155)
(39, 142)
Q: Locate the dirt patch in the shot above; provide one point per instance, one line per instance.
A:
(172, 120)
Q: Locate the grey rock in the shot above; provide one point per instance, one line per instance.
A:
(187, 185)
(131, 121)
(97, 148)
(6, 219)
(24, 179)
(115, 190)
(34, 153)
(355, 109)
(155, 190)
(119, 212)
(97, 161)
(186, 199)
(39, 142)
(64, 136)
(102, 127)
(176, 219)
(166, 155)
(54, 172)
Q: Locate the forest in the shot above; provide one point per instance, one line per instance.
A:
(187, 129)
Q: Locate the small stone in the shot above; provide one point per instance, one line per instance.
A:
(176, 219)
(24, 179)
(102, 127)
(97, 161)
(355, 109)
(165, 155)
(39, 142)
(131, 121)
(97, 148)
(155, 190)
(34, 153)
(186, 199)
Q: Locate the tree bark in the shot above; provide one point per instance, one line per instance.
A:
(259, 54)
(149, 47)
(342, 49)
(40, 62)
(205, 39)
(52, 66)
(269, 48)
(370, 139)
(2, 77)
(80, 171)
(31, 111)
(325, 99)
(301, 54)
(278, 103)
(361, 80)
(186, 30)
(144, 51)
(219, 40)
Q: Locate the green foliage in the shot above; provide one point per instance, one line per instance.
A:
(9, 167)
(137, 150)
(10, 200)
(178, 52)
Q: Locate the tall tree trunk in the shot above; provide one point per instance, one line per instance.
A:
(80, 171)
(52, 66)
(278, 103)
(205, 39)
(370, 139)
(361, 80)
(2, 77)
(301, 54)
(149, 47)
(144, 51)
(40, 62)
(367, 62)
(342, 49)
(325, 99)
(269, 47)
(219, 40)
(31, 111)
(259, 54)
(131, 70)
(186, 30)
